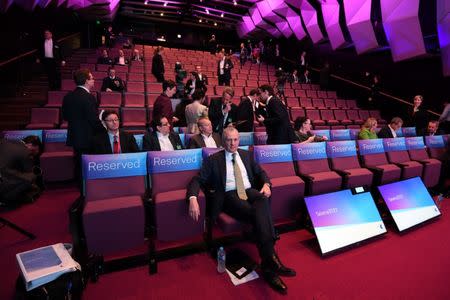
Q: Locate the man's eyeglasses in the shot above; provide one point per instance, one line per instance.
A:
(165, 124)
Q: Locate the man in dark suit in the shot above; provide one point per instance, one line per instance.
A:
(79, 109)
(278, 126)
(246, 112)
(222, 112)
(158, 64)
(238, 186)
(113, 140)
(50, 55)
(163, 104)
(389, 131)
(105, 59)
(161, 139)
(112, 83)
(224, 66)
(206, 137)
(202, 77)
(432, 129)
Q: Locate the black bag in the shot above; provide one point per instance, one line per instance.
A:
(67, 286)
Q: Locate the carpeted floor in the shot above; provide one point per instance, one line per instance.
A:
(413, 265)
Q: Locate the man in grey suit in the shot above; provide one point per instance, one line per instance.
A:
(206, 137)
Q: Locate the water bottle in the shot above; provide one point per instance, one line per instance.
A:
(221, 256)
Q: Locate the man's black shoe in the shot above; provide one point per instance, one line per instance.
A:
(274, 264)
(274, 281)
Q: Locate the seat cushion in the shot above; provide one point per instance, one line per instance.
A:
(287, 194)
(358, 177)
(390, 173)
(228, 224)
(324, 182)
(57, 166)
(411, 169)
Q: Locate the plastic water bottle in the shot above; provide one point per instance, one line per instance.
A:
(439, 199)
(221, 257)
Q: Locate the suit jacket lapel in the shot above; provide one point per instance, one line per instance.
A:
(223, 168)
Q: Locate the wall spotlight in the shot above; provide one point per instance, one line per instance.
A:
(165, 3)
(215, 24)
(200, 20)
(161, 14)
(221, 15)
(179, 36)
(234, 2)
(207, 11)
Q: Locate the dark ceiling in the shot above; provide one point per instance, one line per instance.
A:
(205, 13)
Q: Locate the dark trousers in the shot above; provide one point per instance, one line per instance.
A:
(53, 73)
(224, 80)
(159, 77)
(256, 211)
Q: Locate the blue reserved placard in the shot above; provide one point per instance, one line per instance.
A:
(173, 161)
(246, 138)
(341, 149)
(394, 144)
(415, 142)
(114, 165)
(409, 131)
(399, 132)
(272, 153)
(322, 132)
(309, 151)
(21, 134)
(370, 146)
(139, 140)
(187, 138)
(182, 139)
(209, 151)
(435, 141)
(340, 134)
(55, 135)
(354, 133)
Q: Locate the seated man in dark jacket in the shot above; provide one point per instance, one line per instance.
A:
(389, 131)
(105, 59)
(114, 141)
(112, 83)
(161, 139)
(206, 137)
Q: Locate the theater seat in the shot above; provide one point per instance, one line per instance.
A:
(431, 166)
(312, 166)
(373, 157)
(396, 153)
(344, 160)
(43, 118)
(287, 188)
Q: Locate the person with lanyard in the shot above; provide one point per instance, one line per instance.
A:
(222, 112)
(161, 138)
(206, 138)
(114, 140)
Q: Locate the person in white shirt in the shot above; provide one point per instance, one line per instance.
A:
(389, 131)
(50, 55)
(161, 139)
(121, 60)
(206, 137)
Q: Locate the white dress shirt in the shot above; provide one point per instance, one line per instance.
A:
(230, 183)
(121, 60)
(209, 141)
(48, 48)
(394, 134)
(222, 66)
(164, 142)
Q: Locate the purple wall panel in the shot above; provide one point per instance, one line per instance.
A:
(402, 27)
(267, 13)
(330, 11)
(284, 28)
(443, 28)
(309, 16)
(294, 3)
(357, 16)
(296, 24)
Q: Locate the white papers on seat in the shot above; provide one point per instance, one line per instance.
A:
(43, 265)
(250, 276)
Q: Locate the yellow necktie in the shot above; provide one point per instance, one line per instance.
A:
(239, 181)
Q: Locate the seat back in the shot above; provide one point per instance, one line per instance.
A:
(322, 132)
(135, 87)
(330, 103)
(340, 134)
(436, 146)
(134, 100)
(310, 158)
(416, 148)
(45, 115)
(260, 138)
(172, 170)
(55, 98)
(409, 131)
(327, 114)
(353, 114)
(342, 155)
(372, 152)
(396, 150)
(318, 103)
(114, 175)
(246, 138)
(55, 140)
(276, 160)
(354, 133)
(340, 114)
(110, 99)
(364, 114)
(313, 114)
(15, 135)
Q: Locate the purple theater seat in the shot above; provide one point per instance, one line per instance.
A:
(297, 112)
(135, 87)
(329, 117)
(292, 102)
(134, 117)
(312, 165)
(431, 167)
(318, 103)
(287, 188)
(169, 185)
(154, 88)
(306, 103)
(436, 146)
(322, 94)
(300, 93)
(44, 118)
(314, 116)
(351, 104)
(114, 217)
(330, 103)
(57, 161)
(110, 99)
(341, 103)
(343, 160)
(55, 98)
(373, 157)
(341, 116)
(354, 116)
(332, 94)
(311, 93)
(135, 77)
(134, 100)
(396, 153)
(68, 85)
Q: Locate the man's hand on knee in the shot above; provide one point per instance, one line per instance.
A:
(266, 190)
(194, 208)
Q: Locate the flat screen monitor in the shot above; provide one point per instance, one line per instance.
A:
(408, 202)
(342, 218)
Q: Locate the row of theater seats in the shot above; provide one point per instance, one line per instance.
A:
(295, 170)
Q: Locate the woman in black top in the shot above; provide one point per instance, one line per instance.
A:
(302, 127)
(418, 116)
